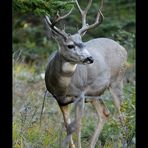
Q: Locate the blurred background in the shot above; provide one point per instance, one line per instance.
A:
(31, 49)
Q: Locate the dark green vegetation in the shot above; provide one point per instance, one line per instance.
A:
(31, 49)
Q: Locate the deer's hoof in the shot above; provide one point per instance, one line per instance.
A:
(72, 146)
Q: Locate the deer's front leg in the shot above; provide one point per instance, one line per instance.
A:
(65, 112)
(79, 113)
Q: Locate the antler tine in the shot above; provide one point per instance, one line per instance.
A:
(88, 6)
(101, 4)
(98, 20)
(83, 12)
(54, 28)
(61, 17)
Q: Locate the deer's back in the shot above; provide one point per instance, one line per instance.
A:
(109, 58)
(113, 54)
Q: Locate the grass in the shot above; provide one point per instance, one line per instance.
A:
(28, 93)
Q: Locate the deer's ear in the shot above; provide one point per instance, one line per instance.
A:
(59, 37)
(56, 35)
(52, 34)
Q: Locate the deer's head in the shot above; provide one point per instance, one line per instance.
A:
(72, 47)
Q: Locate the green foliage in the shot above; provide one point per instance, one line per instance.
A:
(114, 130)
(127, 40)
(41, 7)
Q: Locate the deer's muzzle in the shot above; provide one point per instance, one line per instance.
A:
(88, 60)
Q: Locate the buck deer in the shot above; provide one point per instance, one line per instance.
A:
(81, 71)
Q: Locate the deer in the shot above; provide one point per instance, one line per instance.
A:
(80, 72)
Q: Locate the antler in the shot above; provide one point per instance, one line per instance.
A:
(84, 12)
(52, 26)
(85, 26)
(58, 18)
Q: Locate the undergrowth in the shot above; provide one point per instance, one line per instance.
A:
(28, 93)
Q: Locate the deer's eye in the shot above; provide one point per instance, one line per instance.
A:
(70, 46)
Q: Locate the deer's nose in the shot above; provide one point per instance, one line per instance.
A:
(88, 60)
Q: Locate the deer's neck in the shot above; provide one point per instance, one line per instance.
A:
(62, 74)
(68, 67)
(67, 70)
(59, 74)
(63, 71)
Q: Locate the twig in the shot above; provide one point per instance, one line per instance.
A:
(43, 106)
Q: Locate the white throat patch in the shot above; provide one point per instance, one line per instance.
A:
(69, 67)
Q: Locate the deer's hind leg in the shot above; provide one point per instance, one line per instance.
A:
(116, 90)
(103, 114)
(116, 87)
